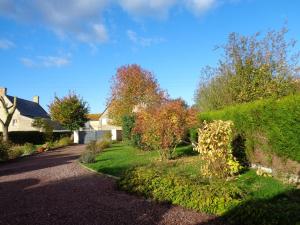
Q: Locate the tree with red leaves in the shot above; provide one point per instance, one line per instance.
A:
(163, 127)
(132, 88)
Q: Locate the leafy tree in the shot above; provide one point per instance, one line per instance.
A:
(252, 68)
(163, 127)
(132, 87)
(8, 112)
(45, 125)
(70, 111)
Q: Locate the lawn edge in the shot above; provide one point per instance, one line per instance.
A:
(99, 173)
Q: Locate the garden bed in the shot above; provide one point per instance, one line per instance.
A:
(246, 199)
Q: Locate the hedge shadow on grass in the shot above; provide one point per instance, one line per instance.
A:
(283, 209)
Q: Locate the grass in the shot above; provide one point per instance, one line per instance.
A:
(265, 199)
(121, 157)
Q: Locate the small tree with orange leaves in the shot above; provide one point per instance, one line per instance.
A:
(163, 127)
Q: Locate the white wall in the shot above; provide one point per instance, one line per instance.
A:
(18, 122)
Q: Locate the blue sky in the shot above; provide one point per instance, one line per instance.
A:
(50, 47)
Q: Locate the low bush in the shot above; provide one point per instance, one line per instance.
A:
(15, 152)
(270, 125)
(88, 157)
(28, 149)
(4, 148)
(213, 198)
(103, 144)
(92, 149)
(65, 141)
(215, 149)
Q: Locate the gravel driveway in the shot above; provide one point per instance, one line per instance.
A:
(52, 188)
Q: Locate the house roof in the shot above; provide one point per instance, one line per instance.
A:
(93, 117)
(29, 108)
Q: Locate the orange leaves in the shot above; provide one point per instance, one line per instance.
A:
(132, 86)
(162, 127)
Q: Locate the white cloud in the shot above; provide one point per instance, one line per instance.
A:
(83, 19)
(154, 8)
(200, 6)
(68, 18)
(46, 61)
(27, 62)
(143, 41)
(161, 8)
(6, 44)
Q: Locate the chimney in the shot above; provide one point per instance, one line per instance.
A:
(36, 99)
(3, 91)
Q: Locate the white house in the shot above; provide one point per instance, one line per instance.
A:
(101, 122)
(26, 112)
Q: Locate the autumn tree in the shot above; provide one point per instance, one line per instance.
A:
(70, 111)
(253, 67)
(164, 127)
(8, 112)
(132, 87)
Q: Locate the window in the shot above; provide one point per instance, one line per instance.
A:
(14, 122)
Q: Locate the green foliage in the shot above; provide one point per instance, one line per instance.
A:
(87, 157)
(281, 209)
(92, 149)
(65, 141)
(128, 122)
(15, 152)
(28, 149)
(215, 150)
(120, 157)
(45, 125)
(71, 111)
(103, 144)
(193, 135)
(253, 68)
(213, 198)
(270, 125)
(4, 148)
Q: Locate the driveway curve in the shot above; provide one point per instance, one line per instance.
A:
(52, 188)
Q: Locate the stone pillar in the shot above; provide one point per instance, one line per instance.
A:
(76, 137)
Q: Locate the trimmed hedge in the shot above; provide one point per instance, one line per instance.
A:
(34, 137)
(214, 198)
(270, 125)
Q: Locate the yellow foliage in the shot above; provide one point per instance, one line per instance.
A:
(214, 146)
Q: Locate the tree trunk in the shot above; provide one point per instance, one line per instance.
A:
(5, 133)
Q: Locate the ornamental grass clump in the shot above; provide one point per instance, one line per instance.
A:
(214, 146)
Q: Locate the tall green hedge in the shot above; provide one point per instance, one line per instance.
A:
(272, 125)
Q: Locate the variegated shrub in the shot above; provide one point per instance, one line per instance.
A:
(214, 146)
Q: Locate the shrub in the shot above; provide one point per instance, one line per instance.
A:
(163, 127)
(215, 149)
(103, 144)
(252, 68)
(107, 136)
(213, 198)
(15, 152)
(4, 148)
(87, 157)
(127, 126)
(28, 149)
(269, 125)
(93, 147)
(65, 141)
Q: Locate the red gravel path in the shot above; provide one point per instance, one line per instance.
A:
(52, 188)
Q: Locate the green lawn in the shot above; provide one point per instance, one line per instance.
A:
(265, 200)
(120, 157)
